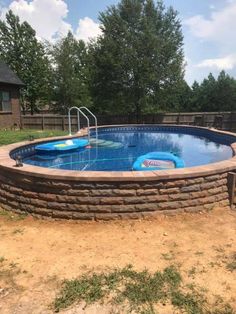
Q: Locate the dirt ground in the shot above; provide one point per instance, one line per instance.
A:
(35, 255)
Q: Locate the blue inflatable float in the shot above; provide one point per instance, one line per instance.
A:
(157, 161)
(61, 146)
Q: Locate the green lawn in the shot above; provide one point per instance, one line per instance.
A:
(9, 136)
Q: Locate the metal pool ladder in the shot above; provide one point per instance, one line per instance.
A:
(81, 111)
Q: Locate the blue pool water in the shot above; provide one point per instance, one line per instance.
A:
(122, 146)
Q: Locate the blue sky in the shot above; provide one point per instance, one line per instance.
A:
(208, 27)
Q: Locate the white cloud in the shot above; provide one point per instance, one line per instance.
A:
(3, 11)
(45, 16)
(48, 18)
(219, 27)
(226, 63)
(213, 35)
(88, 29)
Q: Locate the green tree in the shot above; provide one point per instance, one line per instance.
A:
(225, 92)
(194, 103)
(71, 74)
(21, 50)
(181, 98)
(214, 94)
(138, 62)
(207, 97)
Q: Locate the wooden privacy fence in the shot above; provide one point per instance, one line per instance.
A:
(219, 120)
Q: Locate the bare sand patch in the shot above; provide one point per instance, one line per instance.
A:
(35, 255)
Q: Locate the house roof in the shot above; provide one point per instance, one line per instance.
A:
(8, 76)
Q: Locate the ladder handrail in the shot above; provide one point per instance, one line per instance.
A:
(78, 111)
(95, 118)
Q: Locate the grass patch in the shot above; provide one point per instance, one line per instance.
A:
(12, 216)
(10, 136)
(8, 274)
(2, 259)
(190, 302)
(168, 256)
(231, 265)
(139, 292)
(18, 231)
(199, 253)
(192, 272)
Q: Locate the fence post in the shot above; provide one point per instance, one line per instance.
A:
(22, 122)
(63, 123)
(178, 118)
(42, 122)
(203, 120)
(231, 121)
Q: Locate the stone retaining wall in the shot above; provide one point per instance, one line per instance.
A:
(66, 199)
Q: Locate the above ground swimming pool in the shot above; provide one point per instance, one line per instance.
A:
(98, 182)
(119, 147)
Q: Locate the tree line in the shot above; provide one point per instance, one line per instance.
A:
(136, 66)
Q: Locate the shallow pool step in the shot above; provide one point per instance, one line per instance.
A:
(114, 145)
(94, 141)
(105, 144)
